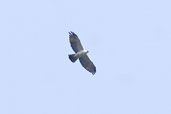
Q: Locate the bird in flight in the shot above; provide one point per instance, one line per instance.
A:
(80, 53)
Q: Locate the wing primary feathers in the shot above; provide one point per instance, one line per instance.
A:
(72, 34)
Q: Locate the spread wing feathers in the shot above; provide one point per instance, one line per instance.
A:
(87, 64)
(75, 42)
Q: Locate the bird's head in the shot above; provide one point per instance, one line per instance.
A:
(86, 51)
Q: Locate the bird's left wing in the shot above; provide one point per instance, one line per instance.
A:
(75, 42)
(87, 64)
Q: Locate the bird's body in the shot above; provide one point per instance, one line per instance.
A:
(80, 53)
(74, 57)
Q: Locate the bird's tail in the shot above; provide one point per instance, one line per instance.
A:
(72, 57)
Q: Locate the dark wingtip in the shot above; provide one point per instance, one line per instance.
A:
(71, 33)
(94, 71)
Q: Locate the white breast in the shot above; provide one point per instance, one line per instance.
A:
(81, 53)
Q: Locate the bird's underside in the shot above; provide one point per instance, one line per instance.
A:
(74, 57)
(80, 53)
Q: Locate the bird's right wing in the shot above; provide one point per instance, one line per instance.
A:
(87, 64)
(75, 42)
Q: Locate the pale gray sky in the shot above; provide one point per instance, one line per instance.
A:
(128, 41)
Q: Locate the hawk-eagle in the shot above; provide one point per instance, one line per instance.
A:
(80, 53)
